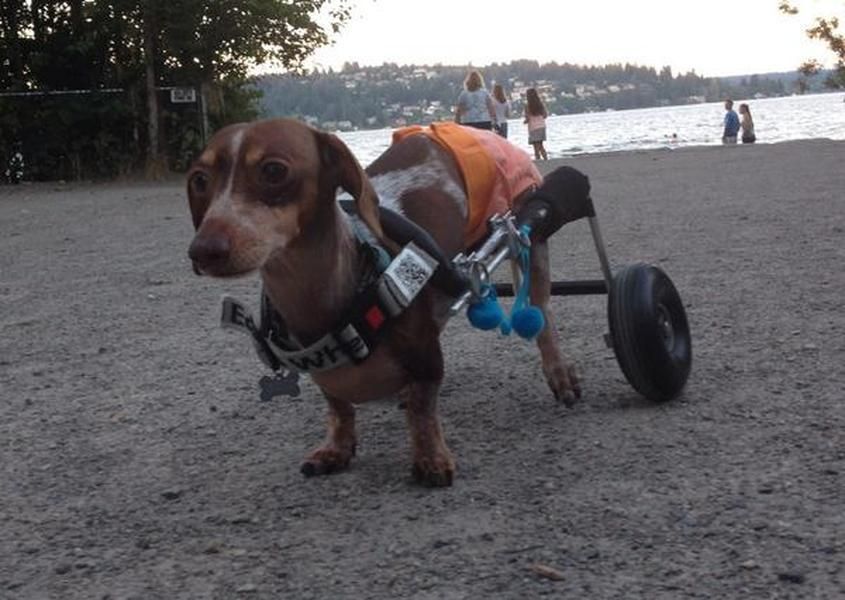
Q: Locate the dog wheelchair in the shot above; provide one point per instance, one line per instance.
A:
(649, 332)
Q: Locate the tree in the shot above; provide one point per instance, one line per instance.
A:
(212, 45)
(11, 52)
(825, 29)
(216, 40)
(155, 165)
(140, 46)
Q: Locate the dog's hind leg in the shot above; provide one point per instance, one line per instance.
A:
(339, 447)
(559, 372)
(432, 462)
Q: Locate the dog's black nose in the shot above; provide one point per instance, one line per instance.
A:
(209, 249)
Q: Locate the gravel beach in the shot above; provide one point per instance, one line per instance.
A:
(138, 461)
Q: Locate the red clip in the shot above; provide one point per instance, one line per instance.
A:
(375, 317)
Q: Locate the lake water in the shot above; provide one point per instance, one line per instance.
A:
(775, 120)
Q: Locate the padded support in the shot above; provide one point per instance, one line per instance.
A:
(563, 197)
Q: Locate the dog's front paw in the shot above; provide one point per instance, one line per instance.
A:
(564, 383)
(325, 460)
(437, 471)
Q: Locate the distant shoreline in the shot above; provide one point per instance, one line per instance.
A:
(557, 160)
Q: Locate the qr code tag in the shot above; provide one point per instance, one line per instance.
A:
(410, 271)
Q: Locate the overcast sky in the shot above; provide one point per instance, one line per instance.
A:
(713, 37)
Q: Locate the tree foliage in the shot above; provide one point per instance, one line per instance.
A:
(99, 44)
(826, 30)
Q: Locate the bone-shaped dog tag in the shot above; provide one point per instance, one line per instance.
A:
(283, 383)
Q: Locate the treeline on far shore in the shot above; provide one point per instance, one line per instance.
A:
(390, 95)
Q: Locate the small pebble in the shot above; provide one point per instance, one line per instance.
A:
(547, 572)
(172, 494)
(213, 548)
(792, 577)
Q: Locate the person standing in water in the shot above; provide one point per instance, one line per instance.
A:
(747, 124)
(731, 123)
(535, 117)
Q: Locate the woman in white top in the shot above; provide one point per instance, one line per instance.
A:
(503, 110)
(475, 107)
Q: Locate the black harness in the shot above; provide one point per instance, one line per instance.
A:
(386, 289)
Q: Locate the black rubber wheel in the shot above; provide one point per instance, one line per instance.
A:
(649, 331)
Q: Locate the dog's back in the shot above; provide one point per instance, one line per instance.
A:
(419, 179)
(447, 174)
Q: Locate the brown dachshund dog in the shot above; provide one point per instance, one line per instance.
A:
(263, 197)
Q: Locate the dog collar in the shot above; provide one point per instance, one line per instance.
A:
(382, 296)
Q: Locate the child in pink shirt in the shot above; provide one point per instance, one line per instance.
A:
(535, 117)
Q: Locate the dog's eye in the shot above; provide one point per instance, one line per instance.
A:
(273, 173)
(199, 183)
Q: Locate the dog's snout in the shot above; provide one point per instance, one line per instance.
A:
(210, 249)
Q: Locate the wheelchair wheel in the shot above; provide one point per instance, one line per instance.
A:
(649, 331)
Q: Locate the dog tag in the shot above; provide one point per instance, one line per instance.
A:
(408, 273)
(283, 383)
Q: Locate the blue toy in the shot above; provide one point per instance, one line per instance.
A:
(526, 320)
(486, 314)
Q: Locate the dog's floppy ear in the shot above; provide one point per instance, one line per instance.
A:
(338, 159)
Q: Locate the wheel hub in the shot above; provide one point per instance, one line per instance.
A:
(665, 327)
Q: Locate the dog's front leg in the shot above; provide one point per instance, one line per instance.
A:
(432, 462)
(559, 372)
(339, 447)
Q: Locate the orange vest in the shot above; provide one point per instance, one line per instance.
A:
(495, 172)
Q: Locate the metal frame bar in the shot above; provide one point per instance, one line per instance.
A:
(579, 287)
(600, 250)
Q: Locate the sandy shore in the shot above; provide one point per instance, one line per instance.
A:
(139, 463)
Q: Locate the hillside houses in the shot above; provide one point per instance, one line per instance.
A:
(393, 95)
(427, 110)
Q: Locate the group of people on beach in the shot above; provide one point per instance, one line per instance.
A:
(734, 123)
(478, 108)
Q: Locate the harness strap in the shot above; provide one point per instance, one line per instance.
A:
(400, 229)
(358, 331)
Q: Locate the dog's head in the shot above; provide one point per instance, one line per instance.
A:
(259, 188)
